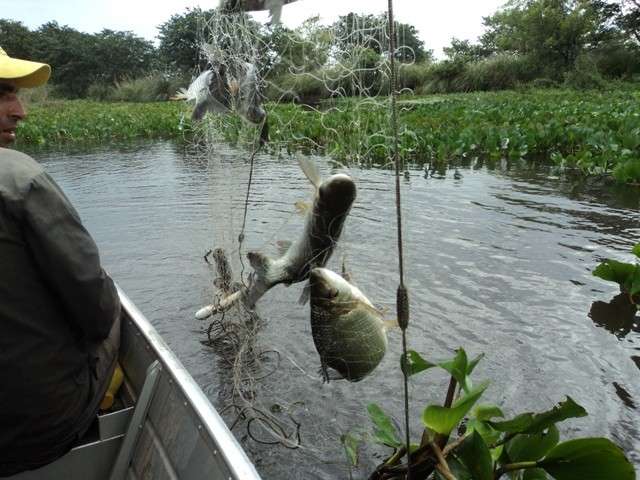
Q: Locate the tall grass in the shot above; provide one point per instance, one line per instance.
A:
(151, 88)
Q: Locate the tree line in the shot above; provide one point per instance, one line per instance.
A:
(525, 40)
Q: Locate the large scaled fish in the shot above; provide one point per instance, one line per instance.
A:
(323, 225)
(274, 7)
(210, 91)
(348, 331)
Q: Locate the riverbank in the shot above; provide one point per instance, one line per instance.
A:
(597, 132)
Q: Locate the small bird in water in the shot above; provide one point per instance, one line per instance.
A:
(210, 91)
(348, 331)
(457, 175)
(274, 7)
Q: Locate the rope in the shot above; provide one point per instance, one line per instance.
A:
(256, 148)
(402, 296)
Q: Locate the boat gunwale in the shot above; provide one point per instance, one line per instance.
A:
(234, 455)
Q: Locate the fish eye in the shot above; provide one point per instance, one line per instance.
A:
(333, 293)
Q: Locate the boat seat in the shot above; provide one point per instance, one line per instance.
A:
(105, 450)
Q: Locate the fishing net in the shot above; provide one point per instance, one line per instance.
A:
(317, 83)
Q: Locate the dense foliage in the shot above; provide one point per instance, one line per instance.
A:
(83, 121)
(464, 440)
(593, 132)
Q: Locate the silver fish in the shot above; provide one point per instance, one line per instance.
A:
(249, 100)
(348, 331)
(274, 7)
(323, 225)
(210, 91)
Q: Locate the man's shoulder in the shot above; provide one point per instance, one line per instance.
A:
(18, 162)
(17, 171)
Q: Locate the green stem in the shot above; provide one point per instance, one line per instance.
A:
(509, 467)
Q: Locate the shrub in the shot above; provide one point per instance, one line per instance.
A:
(617, 61)
(499, 72)
(307, 88)
(544, 83)
(99, 91)
(413, 76)
(442, 76)
(585, 75)
(151, 88)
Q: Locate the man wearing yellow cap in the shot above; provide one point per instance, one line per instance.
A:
(59, 310)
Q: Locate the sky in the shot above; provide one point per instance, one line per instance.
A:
(437, 21)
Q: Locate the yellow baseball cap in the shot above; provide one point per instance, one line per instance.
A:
(23, 73)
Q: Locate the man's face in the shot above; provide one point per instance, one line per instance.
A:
(11, 112)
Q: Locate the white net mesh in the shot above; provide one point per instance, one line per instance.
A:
(340, 75)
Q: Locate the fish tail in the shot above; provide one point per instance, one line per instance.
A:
(389, 324)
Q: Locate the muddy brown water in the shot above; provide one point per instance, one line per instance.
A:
(498, 261)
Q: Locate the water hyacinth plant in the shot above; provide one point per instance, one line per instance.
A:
(485, 446)
(626, 275)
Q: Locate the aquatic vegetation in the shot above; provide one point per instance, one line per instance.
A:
(58, 122)
(626, 275)
(486, 446)
(594, 132)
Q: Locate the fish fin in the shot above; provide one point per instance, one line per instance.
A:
(283, 246)
(302, 207)
(180, 95)
(276, 13)
(304, 296)
(344, 273)
(323, 371)
(264, 132)
(260, 263)
(389, 324)
(198, 111)
(310, 169)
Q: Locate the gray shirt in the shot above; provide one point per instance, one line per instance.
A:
(55, 299)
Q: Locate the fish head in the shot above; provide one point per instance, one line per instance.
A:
(326, 285)
(328, 288)
(337, 193)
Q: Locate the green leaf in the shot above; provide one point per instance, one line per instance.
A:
(636, 250)
(614, 271)
(443, 420)
(536, 423)
(534, 474)
(457, 468)
(413, 363)
(351, 444)
(634, 286)
(490, 435)
(474, 453)
(524, 448)
(486, 411)
(588, 459)
(457, 368)
(384, 431)
(473, 363)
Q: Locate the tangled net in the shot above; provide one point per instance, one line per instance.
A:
(334, 75)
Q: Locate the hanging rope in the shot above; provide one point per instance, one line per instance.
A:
(257, 144)
(402, 296)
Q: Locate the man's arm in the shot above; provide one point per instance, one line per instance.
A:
(68, 258)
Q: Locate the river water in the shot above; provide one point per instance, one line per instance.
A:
(498, 261)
